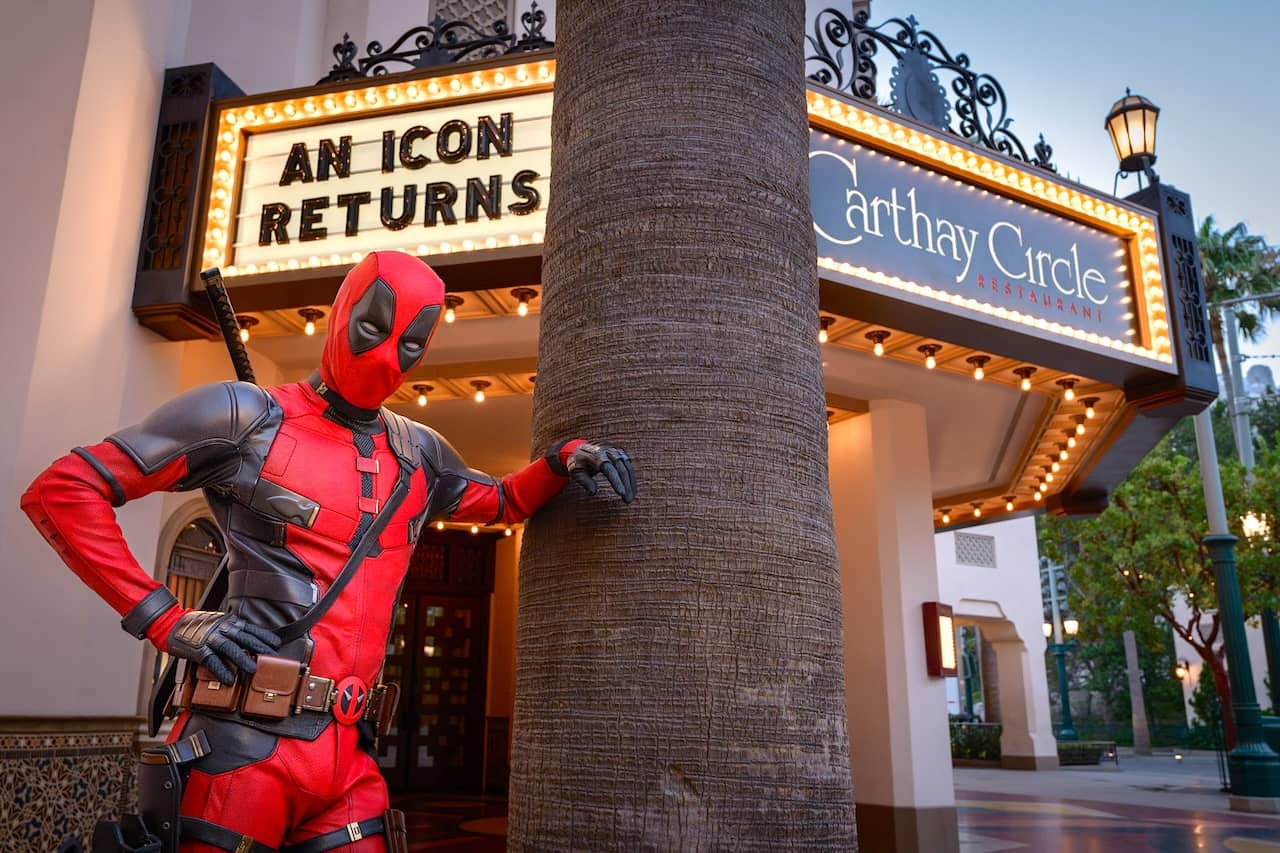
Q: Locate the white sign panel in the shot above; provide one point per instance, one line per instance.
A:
(456, 177)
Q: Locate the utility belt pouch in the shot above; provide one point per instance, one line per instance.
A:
(396, 833)
(271, 690)
(383, 700)
(210, 694)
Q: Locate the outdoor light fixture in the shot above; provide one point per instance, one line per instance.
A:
(439, 525)
(878, 337)
(1063, 454)
(1071, 627)
(506, 531)
(1055, 467)
(978, 362)
(946, 515)
(1048, 630)
(1069, 389)
(480, 385)
(246, 323)
(977, 509)
(1182, 670)
(523, 294)
(1079, 424)
(451, 302)
(824, 323)
(1036, 495)
(310, 315)
(1132, 127)
(929, 350)
(1048, 473)
(1008, 503)
(1025, 372)
(1071, 439)
(939, 640)
(423, 390)
(474, 530)
(1089, 403)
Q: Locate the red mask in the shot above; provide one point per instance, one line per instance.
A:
(380, 325)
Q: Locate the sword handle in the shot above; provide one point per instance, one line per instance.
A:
(226, 317)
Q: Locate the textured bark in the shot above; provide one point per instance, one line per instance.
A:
(679, 668)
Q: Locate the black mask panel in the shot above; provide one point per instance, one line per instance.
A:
(413, 343)
(372, 317)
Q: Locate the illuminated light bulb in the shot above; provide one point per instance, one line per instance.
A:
(1025, 372)
(474, 529)
(1089, 403)
(978, 362)
(1069, 389)
(1008, 503)
(1064, 455)
(1048, 476)
(479, 385)
(1071, 441)
(946, 516)
(930, 351)
(310, 315)
(977, 510)
(1055, 467)
(1036, 495)
(1079, 429)
(1041, 488)
(824, 323)
(246, 323)
(523, 294)
(878, 338)
(439, 525)
(450, 303)
(423, 390)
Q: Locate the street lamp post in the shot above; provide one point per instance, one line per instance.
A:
(1253, 768)
(1055, 630)
(1257, 528)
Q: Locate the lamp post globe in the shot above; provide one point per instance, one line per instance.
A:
(1131, 124)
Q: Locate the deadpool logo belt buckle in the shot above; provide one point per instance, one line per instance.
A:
(349, 700)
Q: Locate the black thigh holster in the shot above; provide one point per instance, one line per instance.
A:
(156, 827)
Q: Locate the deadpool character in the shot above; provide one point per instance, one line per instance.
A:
(320, 494)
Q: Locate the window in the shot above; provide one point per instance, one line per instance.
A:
(193, 560)
(975, 550)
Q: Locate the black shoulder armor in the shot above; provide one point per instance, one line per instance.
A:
(206, 423)
(449, 475)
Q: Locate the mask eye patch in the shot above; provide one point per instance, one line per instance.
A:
(371, 317)
(413, 343)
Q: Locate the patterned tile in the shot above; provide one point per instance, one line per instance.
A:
(53, 785)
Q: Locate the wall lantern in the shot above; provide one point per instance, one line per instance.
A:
(1071, 627)
(1132, 127)
(939, 640)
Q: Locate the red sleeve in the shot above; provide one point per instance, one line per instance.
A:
(71, 504)
(516, 496)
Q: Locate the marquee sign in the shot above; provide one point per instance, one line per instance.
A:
(923, 217)
(434, 167)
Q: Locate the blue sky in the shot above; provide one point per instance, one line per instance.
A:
(1211, 68)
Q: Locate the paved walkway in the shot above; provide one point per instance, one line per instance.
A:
(1143, 804)
(1151, 803)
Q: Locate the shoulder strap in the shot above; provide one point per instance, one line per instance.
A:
(294, 630)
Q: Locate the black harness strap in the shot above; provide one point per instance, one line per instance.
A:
(349, 834)
(195, 829)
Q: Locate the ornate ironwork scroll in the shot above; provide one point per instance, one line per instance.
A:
(438, 43)
(844, 57)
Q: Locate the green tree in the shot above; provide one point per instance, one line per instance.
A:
(1237, 263)
(1133, 563)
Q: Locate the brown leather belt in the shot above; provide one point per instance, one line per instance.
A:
(283, 687)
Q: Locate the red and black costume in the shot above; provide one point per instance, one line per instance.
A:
(294, 476)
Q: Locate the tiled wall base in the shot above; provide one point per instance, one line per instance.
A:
(59, 776)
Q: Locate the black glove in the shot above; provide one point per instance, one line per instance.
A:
(591, 459)
(216, 639)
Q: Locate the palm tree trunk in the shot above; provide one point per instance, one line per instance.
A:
(680, 672)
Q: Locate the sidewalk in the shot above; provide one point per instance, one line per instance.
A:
(1146, 803)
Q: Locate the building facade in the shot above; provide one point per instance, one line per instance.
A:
(960, 387)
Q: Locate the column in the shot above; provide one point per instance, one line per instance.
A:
(898, 738)
(1026, 736)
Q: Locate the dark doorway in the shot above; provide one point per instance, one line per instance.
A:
(438, 653)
